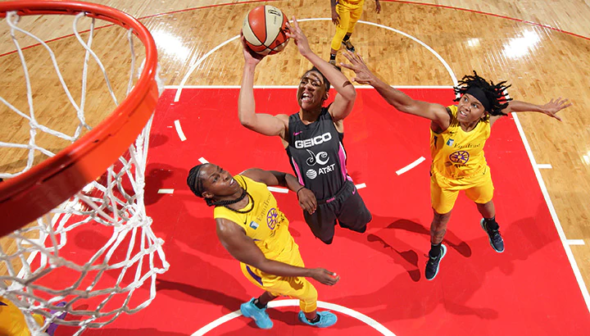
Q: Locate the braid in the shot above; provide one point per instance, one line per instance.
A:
(194, 182)
(495, 93)
(196, 186)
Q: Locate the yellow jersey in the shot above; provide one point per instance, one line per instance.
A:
(457, 154)
(351, 3)
(265, 223)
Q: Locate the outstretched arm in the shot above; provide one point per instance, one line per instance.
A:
(344, 100)
(550, 109)
(306, 197)
(241, 247)
(265, 124)
(402, 102)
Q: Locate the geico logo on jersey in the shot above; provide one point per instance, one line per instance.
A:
(313, 141)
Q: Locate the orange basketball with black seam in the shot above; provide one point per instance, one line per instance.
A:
(264, 30)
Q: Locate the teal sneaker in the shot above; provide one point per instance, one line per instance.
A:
(327, 319)
(259, 316)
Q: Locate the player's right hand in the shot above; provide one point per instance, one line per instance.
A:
(325, 277)
(335, 17)
(249, 55)
(307, 200)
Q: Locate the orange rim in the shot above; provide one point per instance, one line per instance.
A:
(45, 186)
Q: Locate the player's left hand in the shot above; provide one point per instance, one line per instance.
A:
(378, 6)
(554, 106)
(298, 37)
(307, 200)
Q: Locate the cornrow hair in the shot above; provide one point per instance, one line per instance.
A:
(195, 184)
(496, 95)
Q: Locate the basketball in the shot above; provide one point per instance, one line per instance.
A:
(264, 30)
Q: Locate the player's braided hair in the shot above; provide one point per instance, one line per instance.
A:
(492, 96)
(195, 184)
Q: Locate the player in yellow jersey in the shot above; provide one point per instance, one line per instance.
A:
(345, 14)
(12, 320)
(457, 137)
(254, 231)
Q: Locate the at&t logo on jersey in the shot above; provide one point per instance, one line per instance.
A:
(312, 174)
(299, 144)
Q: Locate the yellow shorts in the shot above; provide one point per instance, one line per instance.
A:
(444, 191)
(349, 15)
(296, 287)
(12, 320)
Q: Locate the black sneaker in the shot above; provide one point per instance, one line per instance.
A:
(348, 45)
(433, 264)
(496, 240)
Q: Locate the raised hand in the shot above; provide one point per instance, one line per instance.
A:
(363, 74)
(307, 200)
(325, 277)
(250, 56)
(554, 106)
(298, 37)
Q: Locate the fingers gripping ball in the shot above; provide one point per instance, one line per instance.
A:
(264, 29)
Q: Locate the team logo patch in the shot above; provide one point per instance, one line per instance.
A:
(450, 142)
(254, 225)
(272, 217)
(459, 157)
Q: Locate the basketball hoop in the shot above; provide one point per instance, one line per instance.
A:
(108, 161)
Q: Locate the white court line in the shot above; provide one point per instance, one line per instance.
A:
(290, 303)
(410, 166)
(179, 130)
(442, 87)
(544, 166)
(200, 60)
(165, 191)
(575, 242)
(279, 190)
(361, 186)
(203, 161)
(566, 247)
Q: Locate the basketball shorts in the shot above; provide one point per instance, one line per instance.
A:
(346, 206)
(295, 287)
(444, 191)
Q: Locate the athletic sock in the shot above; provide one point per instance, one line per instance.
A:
(258, 304)
(434, 250)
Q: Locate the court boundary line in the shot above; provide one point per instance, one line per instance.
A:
(198, 62)
(556, 222)
(293, 302)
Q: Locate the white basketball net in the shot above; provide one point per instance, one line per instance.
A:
(129, 255)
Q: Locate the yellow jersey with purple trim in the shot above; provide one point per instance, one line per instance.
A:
(458, 154)
(265, 223)
(351, 3)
